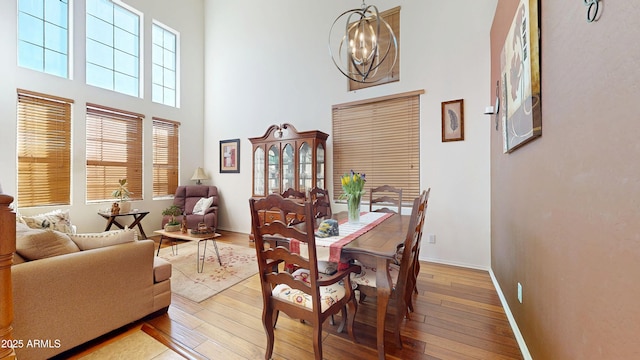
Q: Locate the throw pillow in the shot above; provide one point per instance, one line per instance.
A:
(55, 220)
(202, 205)
(34, 244)
(97, 240)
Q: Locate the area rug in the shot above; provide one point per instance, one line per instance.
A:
(132, 345)
(238, 263)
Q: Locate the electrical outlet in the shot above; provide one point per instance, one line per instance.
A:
(520, 293)
(432, 238)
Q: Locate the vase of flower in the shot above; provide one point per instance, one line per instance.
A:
(353, 187)
(353, 207)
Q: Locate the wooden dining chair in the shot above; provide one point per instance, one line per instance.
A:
(387, 196)
(415, 266)
(321, 202)
(305, 294)
(292, 193)
(365, 281)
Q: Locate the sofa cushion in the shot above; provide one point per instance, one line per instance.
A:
(90, 241)
(161, 269)
(202, 205)
(34, 244)
(56, 220)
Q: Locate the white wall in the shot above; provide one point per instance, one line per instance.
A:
(188, 20)
(267, 62)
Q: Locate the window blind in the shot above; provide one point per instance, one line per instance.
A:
(380, 138)
(114, 151)
(165, 156)
(44, 149)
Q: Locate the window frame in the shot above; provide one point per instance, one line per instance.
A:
(43, 180)
(176, 66)
(46, 19)
(119, 55)
(379, 137)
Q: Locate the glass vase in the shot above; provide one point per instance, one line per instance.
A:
(353, 206)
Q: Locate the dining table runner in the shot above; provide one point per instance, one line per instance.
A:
(330, 248)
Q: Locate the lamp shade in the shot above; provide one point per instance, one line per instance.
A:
(199, 175)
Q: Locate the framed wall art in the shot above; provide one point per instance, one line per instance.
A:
(453, 120)
(520, 77)
(230, 156)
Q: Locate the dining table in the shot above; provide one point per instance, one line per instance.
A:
(373, 243)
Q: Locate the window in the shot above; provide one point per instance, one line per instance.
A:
(164, 74)
(113, 47)
(44, 150)
(114, 152)
(43, 41)
(381, 138)
(165, 157)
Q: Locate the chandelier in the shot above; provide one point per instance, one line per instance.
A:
(367, 43)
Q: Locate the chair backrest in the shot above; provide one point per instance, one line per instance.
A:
(321, 203)
(294, 194)
(187, 196)
(387, 196)
(269, 256)
(414, 233)
(424, 201)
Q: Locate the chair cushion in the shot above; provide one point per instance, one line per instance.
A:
(329, 294)
(367, 276)
(202, 205)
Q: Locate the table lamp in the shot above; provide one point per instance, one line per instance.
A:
(199, 175)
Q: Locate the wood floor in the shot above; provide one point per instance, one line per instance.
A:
(457, 315)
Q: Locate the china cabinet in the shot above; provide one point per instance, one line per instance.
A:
(286, 158)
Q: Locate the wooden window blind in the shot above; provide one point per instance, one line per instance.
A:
(383, 75)
(44, 149)
(165, 157)
(114, 151)
(381, 138)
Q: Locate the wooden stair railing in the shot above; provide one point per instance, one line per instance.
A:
(7, 248)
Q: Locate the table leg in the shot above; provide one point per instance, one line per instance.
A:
(136, 222)
(112, 221)
(200, 265)
(383, 292)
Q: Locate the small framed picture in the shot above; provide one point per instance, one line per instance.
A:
(453, 120)
(230, 156)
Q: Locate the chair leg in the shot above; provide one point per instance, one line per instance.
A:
(353, 309)
(268, 322)
(317, 340)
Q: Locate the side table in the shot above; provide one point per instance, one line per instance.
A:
(112, 219)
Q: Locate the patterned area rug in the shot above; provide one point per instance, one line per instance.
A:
(238, 263)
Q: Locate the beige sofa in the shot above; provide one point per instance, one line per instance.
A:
(64, 300)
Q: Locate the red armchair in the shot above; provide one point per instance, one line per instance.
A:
(187, 196)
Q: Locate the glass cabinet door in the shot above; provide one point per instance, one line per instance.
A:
(288, 167)
(320, 163)
(274, 170)
(258, 172)
(305, 168)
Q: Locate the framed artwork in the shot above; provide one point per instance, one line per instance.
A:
(453, 120)
(520, 96)
(230, 156)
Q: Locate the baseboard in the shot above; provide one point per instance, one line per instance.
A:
(454, 263)
(512, 321)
